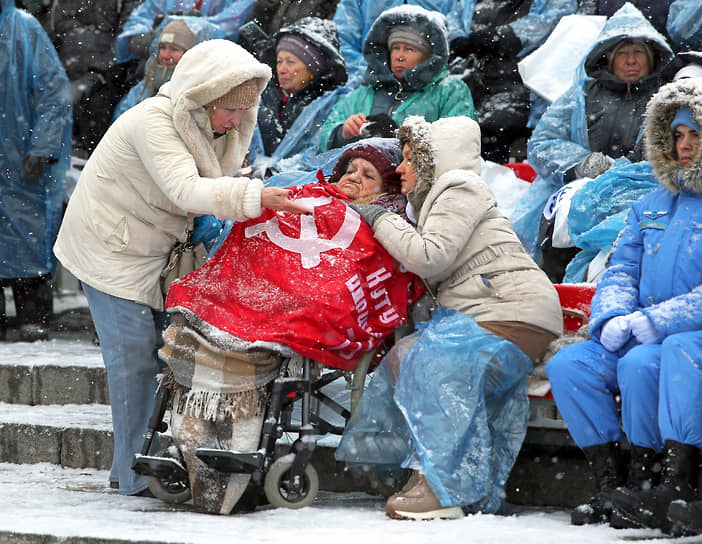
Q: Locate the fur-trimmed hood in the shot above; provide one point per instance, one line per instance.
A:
(659, 144)
(450, 143)
(205, 73)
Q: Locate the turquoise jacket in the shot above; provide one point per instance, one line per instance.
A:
(429, 88)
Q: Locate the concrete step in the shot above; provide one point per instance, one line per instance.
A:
(58, 371)
(70, 435)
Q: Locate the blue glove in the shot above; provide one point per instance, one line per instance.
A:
(615, 333)
(643, 328)
(370, 212)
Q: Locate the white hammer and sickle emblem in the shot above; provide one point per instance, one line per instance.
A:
(309, 245)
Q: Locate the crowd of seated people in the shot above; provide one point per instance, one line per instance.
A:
(346, 72)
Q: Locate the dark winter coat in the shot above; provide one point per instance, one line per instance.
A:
(275, 115)
(274, 15)
(597, 109)
(615, 109)
(83, 32)
(501, 99)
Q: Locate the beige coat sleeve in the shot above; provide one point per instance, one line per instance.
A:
(443, 231)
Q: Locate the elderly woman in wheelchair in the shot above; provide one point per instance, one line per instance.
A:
(282, 297)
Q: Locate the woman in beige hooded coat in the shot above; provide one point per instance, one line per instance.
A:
(174, 154)
(473, 263)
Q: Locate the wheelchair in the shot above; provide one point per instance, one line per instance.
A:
(285, 481)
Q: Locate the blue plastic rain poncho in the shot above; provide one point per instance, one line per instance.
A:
(354, 19)
(460, 405)
(201, 28)
(685, 24)
(227, 14)
(598, 212)
(562, 138)
(36, 119)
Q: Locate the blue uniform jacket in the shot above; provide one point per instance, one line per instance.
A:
(655, 266)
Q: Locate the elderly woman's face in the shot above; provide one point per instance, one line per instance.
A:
(403, 57)
(687, 144)
(630, 62)
(406, 171)
(293, 74)
(224, 119)
(360, 180)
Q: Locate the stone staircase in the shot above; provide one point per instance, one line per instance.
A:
(54, 408)
(54, 401)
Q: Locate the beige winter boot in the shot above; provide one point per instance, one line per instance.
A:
(419, 502)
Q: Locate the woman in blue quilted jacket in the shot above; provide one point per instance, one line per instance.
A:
(646, 336)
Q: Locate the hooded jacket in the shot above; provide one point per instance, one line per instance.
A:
(158, 162)
(354, 19)
(35, 101)
(275, 115)
(462, 245)
(227, 14)
(655, 264)
(426, 89)
(200, 28)
(599, 112)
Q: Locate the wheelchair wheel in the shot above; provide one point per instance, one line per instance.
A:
(169, 492)
(280, 491)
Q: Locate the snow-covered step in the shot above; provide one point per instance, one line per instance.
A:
(71, 435)
(58, 371)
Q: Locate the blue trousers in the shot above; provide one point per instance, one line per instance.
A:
(660, 387)
(130, 335)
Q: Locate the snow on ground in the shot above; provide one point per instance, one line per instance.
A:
(45, 499)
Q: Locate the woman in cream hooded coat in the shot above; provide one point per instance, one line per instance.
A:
(169, 156)
(482, 277)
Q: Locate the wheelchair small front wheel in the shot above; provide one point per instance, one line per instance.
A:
(170, 492)
(282, 492)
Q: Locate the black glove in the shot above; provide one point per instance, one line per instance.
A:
(501, 40)
(380, 125)
(34, 167)
(369, 212)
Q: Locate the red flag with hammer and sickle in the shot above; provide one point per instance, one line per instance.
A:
(319, 283)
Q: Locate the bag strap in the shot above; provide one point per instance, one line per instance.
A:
(190, 229)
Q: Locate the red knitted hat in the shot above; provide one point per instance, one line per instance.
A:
(383, 153)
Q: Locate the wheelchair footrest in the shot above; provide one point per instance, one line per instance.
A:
(164, 468)
(231, 461)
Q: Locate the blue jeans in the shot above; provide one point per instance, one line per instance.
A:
(130, 335)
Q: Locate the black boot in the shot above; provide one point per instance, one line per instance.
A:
(605, 463)
(685, 518)
(644, 468)
(649, 508)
